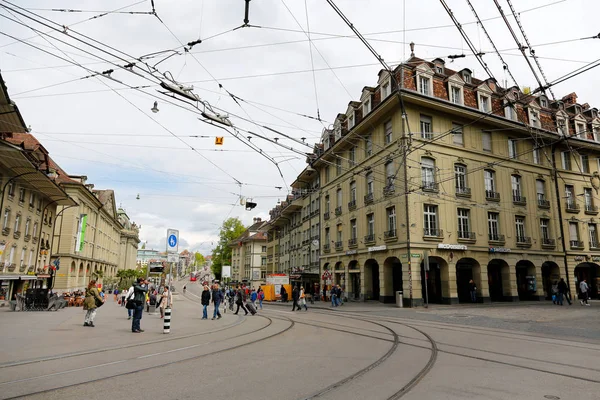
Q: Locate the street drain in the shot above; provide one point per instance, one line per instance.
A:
(549, 396)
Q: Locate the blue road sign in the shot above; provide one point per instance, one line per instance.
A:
(172, 241)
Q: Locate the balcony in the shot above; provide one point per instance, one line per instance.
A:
(576, 244)
(542, 202)
(490, 195)
(315, 237)
(34, 240)
(370, 238)
(352, 205)
(369, 198)
(572, 207)
(523, 241)
(314, 213)
(22, 268)
(305, 242)
(389, 190)
(548, 243)
(594, 245)
(390, 235)
(464, 236)
(326, 215)
(11, 267)
(463, 191)
(326, 248)
(305, 218)
(17, 234)
(6, 231)
(591, 209)
(352, 242)
(429, 233)
(429, 186)
(519, 199)
(27, 238)
(338, 210)
(339, 245)
(497, 238)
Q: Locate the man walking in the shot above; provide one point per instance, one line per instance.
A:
(473, 291)
(140, 288)
(295, 298)
(217, 298)
(239, 301)
(339, 295)
(333, 295)
(205, 301)
(562, 291)
(584, 289)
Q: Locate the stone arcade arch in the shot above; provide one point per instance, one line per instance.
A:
(438, 288)
(550, 274)
(590, 272)
(467, 269)
(525, 269)
(339, 275)
(392, 279)
(371, 279)
(354, 290)
(499, 280)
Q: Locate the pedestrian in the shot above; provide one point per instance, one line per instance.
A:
(333, 295)
(123, 294)
(230, 298)
(166, 301)
(303, 299)
(261, 297)
(116, 294)
(239, 301)
(473, 291)
(184, 288)
(128, 298)
(92, 301)
(140, 290)
(554, 290)
(283, 294)
(563, 291)
(205, 301)
(339, 295)
(584, 289)
(295, 298)
(253, 297)
(324, 293)
(217, 298)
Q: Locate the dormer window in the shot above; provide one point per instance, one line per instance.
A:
(484, 103)
(534, 118)
(543, 102)
(366, 107)
(577, 109)
(350, 121)
(596, 131)
(466, 77)
(509, 111)
(439, 69)
(385, 90)
(561, 125)
(456, 95)
(425, 85)
(580, 129)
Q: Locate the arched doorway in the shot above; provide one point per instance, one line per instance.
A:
(550, 275)
(354, 276)
(338, 274)
(591, 273)
(438, 272)
(392, 278)
(526, 285)
(499, 280)
(371, 280)
(467, 269)
(80, 276)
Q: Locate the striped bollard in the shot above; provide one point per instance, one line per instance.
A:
(167, 321)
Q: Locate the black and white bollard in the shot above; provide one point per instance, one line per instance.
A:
(167, 321)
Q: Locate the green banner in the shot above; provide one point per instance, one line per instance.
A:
(81, 233)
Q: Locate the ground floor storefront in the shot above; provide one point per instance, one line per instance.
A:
(499, 274)
(75, 273)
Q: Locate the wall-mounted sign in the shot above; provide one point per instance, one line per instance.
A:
(499, 250)
(377, 248)
(350, 252)
(445, 246)
(595, 258)
(415, 255)
(579, 258)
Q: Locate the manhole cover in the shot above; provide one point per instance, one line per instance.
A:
(549, 396)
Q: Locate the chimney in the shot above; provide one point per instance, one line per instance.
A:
(571, 98)
(412, 49)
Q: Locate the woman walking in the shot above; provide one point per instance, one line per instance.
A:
(166, 301)
(92, 301)
(239, 301)
(205, 301)
(303, 299)
(261, 296)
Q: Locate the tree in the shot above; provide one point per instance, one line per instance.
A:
(199, 259)
(231, 229)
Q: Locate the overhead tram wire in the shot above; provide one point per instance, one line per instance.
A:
(312, 62)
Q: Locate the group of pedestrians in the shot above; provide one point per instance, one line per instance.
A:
(336, 296)
(214, 295)
(299, 299)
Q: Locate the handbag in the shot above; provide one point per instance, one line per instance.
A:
(99, 303)
(130, 305)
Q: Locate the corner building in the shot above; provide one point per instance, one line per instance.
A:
(498, 187)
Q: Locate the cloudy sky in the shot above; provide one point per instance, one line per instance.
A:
(104, 128)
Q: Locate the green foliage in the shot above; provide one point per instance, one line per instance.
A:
(231, 229)
(199, 259)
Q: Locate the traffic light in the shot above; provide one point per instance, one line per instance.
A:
(219, 141)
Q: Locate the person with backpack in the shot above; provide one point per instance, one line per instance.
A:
(261, 297)
(239, 301)
(92, 301)
(140, 290)
(205, 301)
(563, 291)
(128, 298)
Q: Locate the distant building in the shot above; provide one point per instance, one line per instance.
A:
(146, 255)
(249, 255)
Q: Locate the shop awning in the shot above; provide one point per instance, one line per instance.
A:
(28, 277)
(43, 276)
(9, 277)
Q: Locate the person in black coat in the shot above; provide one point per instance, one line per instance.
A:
(295, 297)
(563, 290)
(239, 301)
(283, 294)
(205, 301)
(217, 298)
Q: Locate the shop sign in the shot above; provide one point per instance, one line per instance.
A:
(445, 246)
(580, 258)
(415, 255)
(595, 258)
(377, 248)
(499, 250)
(350, 252)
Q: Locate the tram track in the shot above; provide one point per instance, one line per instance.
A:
(152, 367)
